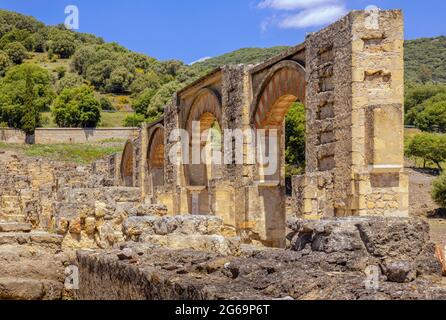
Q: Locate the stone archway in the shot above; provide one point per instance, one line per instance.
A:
(284, 84)
(127, 165)
(205, 110)
(155, 158)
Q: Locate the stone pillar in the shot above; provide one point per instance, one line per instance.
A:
(143, 168)
(355, 131)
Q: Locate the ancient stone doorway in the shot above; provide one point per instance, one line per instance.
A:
(155, 160)
(127, 165)
(204, 128)
(283, 86)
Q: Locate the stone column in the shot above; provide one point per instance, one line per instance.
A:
(355, 131)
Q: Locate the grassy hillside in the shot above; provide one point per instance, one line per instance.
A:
(245, 55)
(132, 81)
(430, 52)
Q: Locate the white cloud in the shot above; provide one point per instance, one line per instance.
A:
(302, 13)
(200, 60)
(313, 17)
(292, 4)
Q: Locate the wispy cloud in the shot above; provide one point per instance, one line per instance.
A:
(302, 13)
(200, 60)
(313, 17)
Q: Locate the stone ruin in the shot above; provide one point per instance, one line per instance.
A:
(137, 226)
(349, 76)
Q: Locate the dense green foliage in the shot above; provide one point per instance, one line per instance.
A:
(16, 52)
(134, 120)
(426, 56)
(77, 107)
(428, 146)
(426, 107)
(295, 139)
(24, 88)
(439, 190)
(245, 55)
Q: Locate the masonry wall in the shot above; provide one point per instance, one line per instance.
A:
(65, 135)
(69, 135)
(12, 136)
(355, 95)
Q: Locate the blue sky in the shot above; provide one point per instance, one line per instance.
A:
(192, 29)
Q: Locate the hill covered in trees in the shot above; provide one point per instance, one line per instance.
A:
(43, 67)
(425, 59)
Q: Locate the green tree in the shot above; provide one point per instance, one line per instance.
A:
(5, 63)
(425, 74)
(428, 146)
(69, 81)
(38, 42)
(30, 117)
(120, 80)
(15, 96)
(432, 118)
(142, 102)
(98, 74)
(105, 104)
(77, 108)
(63, 44)
(134, 120)
(417, 94)
(17, 35)
(295, 127)
(147, 81)
(439, 190)
(82, 59)
(16, 52)
(161, 98)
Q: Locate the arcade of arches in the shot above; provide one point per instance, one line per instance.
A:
(349, 76)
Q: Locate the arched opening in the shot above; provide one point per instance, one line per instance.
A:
(127, 165)
(204, 128)
(280, 97)
(155, 159)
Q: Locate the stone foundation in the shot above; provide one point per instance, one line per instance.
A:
(329, 260)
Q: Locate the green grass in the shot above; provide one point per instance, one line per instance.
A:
(113, 119)
(76, 153)
(108, 119)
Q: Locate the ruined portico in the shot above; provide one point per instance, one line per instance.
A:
(349, 76)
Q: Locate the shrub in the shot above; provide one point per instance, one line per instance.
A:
(25, 87)
(142, 102)
(77, 108)
(428, 146)
(4, 63)
(16, 52)
(134, 120)
(295, 139)
(63, 44)
(105, 104)
(69, 81)
(60, 71)
(432, 118)
(439, 191)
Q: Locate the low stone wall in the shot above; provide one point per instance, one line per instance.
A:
(66, 135)
(12, 136)
(335, 259)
